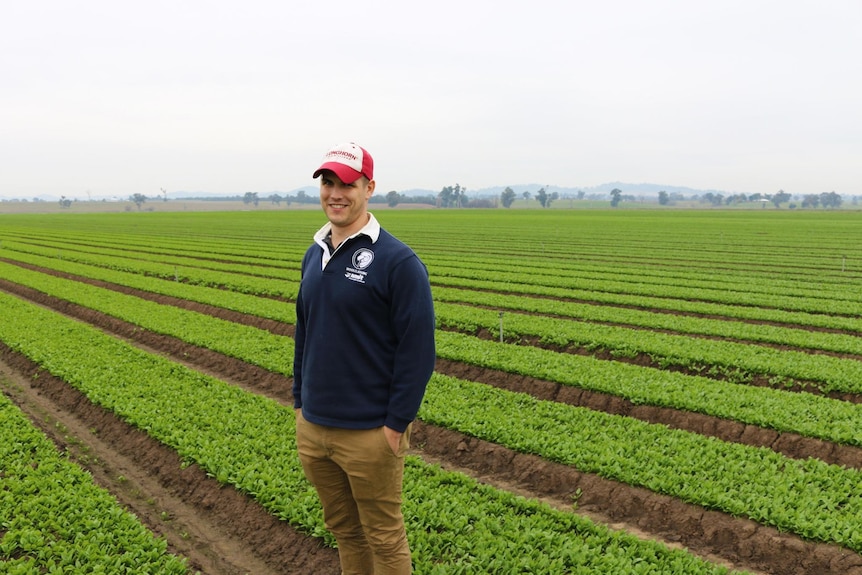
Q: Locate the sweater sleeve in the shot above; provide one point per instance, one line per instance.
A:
(412, 317)
(299, 341)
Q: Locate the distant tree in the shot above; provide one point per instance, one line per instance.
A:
(711, 198)
(663, 198)
(452, 196)
(545, 199)
(616, 197)
(507, 198)
(302, 197)
(459, 194)
(830, 200)
(810, 200)
(392, 198)
(164, 194)
(250, 198)
(444, 197)
(138, 199)
(542, 197)
(527, 195)
(581, 194)
(65, 202)
(275, 199)
(780, 197)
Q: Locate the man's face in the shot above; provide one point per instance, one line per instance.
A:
(345, 205)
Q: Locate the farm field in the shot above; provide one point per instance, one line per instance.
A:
(616, 391)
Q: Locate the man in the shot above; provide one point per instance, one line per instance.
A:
(364, 355)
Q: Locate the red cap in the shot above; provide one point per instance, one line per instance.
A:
(348, 161)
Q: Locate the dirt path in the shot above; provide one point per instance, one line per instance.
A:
(221, 530)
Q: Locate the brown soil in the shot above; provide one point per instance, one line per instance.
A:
(222, 531)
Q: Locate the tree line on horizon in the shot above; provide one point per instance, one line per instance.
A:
(455, 196)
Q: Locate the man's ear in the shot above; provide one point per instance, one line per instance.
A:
(371, 184)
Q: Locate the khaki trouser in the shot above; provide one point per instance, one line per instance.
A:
(358, 479)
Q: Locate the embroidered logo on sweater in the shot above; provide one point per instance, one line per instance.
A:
(361, 259)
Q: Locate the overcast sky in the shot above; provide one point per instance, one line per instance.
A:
(115, 98)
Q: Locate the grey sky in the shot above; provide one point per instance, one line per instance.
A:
(228, 97)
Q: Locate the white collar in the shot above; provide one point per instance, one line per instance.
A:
(370, 229)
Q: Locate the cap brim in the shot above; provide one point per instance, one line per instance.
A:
(345, 173)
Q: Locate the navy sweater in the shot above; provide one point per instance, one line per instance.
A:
(364, 335)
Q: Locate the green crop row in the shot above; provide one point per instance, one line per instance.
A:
(239, 283)
(764, 281)
(746, 292)
(792, 245)
(810, 498)
(725, 328)
(287, 243)
(732, 359)
(729, 358)
(173, 257)
(101, 268)
(489, 285)
(247, 303)
(245, 440)
(264, 259)
(54, 519)
(803, 312)
(253, 345)
(802, 413)
(223, 250)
